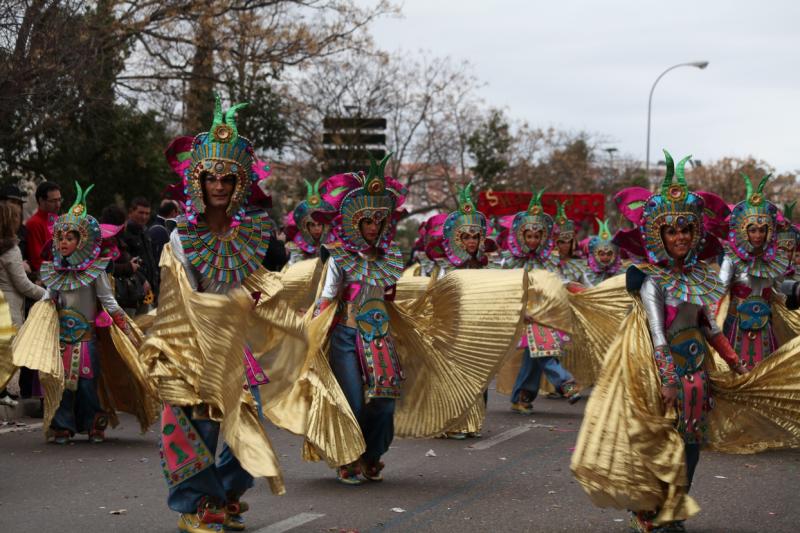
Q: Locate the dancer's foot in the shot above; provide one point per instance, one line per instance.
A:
(571, 392)
(234, 521)
(522, 408)
(371, 470)
(349, 474)
(208, 518)
(61, 436)
(8, 401)
(456, 435)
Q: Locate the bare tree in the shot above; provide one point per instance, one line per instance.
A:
(430, 106)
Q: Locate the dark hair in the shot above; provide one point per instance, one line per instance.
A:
(139, 201)
(166, 208)
(112, 214)
(44, 188)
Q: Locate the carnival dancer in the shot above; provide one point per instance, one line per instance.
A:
(212, 278)
(306, 235)
(676, 294)
(529, 242)
(602, 257)
(753, 268)
(81, 391)
(459, 241)
(363, 270)
(570, 267)
(365, 347)
(788, 243)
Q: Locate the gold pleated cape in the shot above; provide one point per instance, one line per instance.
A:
(194, 355)
(591, 318)
(450, 340)
(122, 385)
(7, 332)
(629, 454)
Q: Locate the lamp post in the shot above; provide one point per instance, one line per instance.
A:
(698, 64)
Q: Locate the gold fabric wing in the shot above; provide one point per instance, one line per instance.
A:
(122, 385)
(629, 454)
(194, 355)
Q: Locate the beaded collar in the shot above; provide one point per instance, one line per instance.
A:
(69, 280)
(697, 285)
(229, 258)
(381, 271)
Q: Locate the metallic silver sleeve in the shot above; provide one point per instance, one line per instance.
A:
(177, 251)
(334, 280)
(727, 272)
(653, 300)
(106, 295)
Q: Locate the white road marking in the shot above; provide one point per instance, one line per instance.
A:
(26, 427)
(290, 523)
(500, 437)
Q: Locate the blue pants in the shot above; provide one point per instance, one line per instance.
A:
(530, 374)
(217, 483)
(78, 408)
(376, 417)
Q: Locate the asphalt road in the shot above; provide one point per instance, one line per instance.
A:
(515, 478)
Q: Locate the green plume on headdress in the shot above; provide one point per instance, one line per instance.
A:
(465, 203)
(79, 209)
(375, 182)
(561, 213)
(788, 209)
(672, 171)
(535, 206)
(757, 197)
(223, 128)
(602, 229)
(312, 192)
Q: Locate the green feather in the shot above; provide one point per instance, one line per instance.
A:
(668, 176)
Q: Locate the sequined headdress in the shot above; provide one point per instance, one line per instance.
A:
(788, 233)
(564, 228)
(674, 205)
(602, 242)
(753, 210)
(220, 152)
(533, 218)
(297, 221)
(465, 219)
(90, 236)
(354, 197)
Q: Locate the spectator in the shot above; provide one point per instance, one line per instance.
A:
(128, 282)
(163, 226)
(40, 226)
(13, 281)
(137, 241)
(12, 195)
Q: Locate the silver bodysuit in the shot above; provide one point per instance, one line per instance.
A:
(732, 273)
(655, 302)
(84, 299)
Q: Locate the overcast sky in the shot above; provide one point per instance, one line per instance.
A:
(589, 65)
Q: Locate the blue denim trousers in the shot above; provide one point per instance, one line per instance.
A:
(78, 408)
(530, 375)
(219, 482)
(376, 416)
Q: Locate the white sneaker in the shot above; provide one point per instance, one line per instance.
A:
(8, 401)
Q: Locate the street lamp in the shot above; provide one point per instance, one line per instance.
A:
(698, 64)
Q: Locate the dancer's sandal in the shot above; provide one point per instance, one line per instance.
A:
(208, 519)
(349, 474)
(371, 470)
(234, 521)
